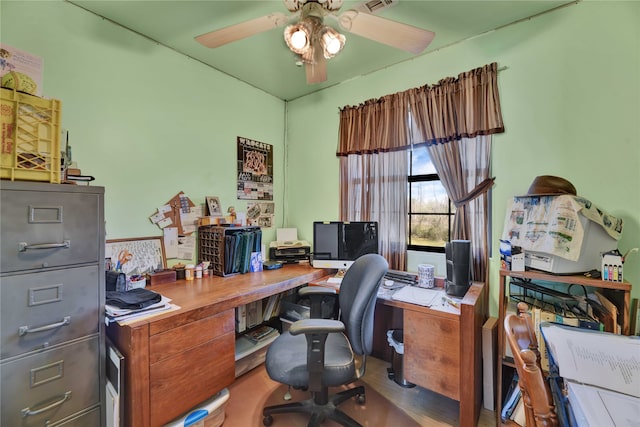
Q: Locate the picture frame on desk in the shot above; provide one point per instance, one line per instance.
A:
(213, 206)
(146, 254)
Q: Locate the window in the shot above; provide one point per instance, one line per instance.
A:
(430, 210)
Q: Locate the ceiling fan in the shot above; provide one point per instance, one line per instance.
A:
(313, 41)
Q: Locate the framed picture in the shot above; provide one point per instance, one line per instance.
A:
(138, 255)
(213, 205)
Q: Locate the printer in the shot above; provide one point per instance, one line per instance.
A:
(290, 252)
(287, 248)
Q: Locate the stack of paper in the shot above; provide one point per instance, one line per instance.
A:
(115, 314)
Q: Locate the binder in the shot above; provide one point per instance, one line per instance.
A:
(511, 401)
(237, 251)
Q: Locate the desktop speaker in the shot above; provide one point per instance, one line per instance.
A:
(458, 257)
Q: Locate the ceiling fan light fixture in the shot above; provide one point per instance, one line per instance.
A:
(332, 41)
(298, 37)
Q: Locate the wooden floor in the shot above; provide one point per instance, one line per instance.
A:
(424, 406)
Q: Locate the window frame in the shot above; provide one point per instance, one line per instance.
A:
(425, 178)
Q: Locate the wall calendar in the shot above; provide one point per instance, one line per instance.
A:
(255, 170)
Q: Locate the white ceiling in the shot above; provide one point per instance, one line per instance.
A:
(264, 61)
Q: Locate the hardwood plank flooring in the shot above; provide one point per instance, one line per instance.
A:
(426, 408)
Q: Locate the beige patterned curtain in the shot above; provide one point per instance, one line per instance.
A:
(454, 119)
(374, 169)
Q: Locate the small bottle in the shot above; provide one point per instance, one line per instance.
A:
(605, 272)
(198, 272)
(188, 272)
(615, 273)
(610, 272)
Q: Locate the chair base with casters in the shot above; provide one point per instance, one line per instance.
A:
(317, 354)
(321, 407)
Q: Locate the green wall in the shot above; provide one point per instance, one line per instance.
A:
(571, 106)
(145, 121)
(148, 122)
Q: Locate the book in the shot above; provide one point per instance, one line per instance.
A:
(254, 313)
(634, 318)
(545, 316)
(589, 405)
(600, 370)
(611, 308)
(270, 306)
(600, 359)
(511, 399)
(518, 414)
(241, 318)
(261, 333)
(489, 334)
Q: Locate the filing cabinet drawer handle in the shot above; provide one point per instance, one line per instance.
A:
(23, 246)
(24, 330)
(28, 412)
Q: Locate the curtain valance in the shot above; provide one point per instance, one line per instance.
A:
(452, 109)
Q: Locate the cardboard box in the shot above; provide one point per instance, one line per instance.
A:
(511, 257)
(612, 266)
(517, 262)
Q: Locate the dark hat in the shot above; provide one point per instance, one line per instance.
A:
(548, 185)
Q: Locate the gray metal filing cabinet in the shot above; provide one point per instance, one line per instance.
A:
(52, 347)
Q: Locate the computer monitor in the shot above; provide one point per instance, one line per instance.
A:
(337, 244)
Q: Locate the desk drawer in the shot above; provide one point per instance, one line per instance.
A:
(180, 382)
(177, 340)
(44, 309)
(63, 379)
(432, 352)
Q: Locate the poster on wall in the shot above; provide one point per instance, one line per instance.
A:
(260, 214)
(255, 170)
(28, 66)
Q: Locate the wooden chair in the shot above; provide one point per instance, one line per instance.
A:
(536, 394)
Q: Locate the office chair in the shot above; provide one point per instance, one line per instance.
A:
(315, 354)
(538, 401)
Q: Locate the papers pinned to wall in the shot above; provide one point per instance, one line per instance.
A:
(174, 212)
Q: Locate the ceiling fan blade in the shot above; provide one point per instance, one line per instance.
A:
(242, 30)
(395, 34)
(316, 71)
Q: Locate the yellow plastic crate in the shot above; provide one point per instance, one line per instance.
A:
(30, 147)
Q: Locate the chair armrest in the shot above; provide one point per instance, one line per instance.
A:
(316, 326)
(316, 290)
(316, 332)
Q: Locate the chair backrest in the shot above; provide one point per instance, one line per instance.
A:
(536, 394)
(358, 293)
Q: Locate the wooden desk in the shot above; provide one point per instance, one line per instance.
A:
(443, 349)
(176, 360)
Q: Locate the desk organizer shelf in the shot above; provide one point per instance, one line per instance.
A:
(534, 286)
(228, 249)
